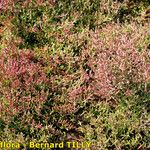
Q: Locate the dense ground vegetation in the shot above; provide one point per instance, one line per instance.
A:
(75, 70)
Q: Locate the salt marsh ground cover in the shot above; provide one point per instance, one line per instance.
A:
(75, 71)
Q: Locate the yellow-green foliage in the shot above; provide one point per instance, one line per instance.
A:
(75, 70)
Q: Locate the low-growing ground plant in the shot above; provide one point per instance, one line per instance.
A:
(75, 71)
